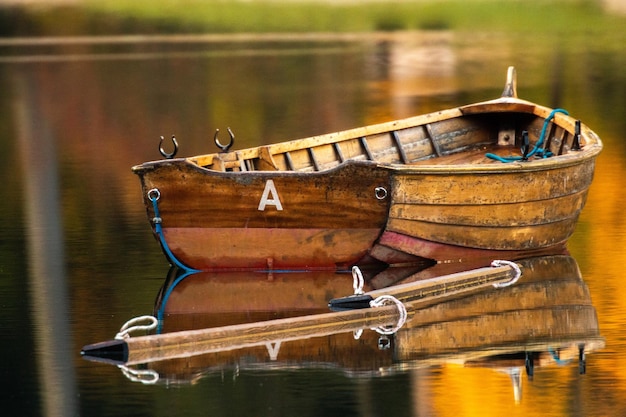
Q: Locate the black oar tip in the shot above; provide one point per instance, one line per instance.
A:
(111, 351)
(352, 302)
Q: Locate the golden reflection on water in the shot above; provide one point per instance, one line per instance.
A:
(112, 113)
(601, 248)
(598, 245)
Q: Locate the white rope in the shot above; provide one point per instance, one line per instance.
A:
(385, 300)
(145, 376)
(131, 326)
(357, 280)
(357, 283)
(516, 268)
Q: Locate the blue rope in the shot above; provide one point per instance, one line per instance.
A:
(166, 296)
(556, 358)
(159, 231)
(542, 153)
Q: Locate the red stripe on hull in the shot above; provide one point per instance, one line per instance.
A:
(269, 248)
(450, 253)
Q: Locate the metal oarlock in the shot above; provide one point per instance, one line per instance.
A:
(168, 155)
(224, 148)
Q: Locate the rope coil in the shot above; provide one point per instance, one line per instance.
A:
(132, 326)
(387, 300)
(537, 149)
(154, 195)
(516, 268)
(145, 376)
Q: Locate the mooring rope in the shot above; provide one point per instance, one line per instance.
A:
(556, 358)
(516, 268)
(166, 296)
(357, 280)
(145, 376)
(131, 326)
(386, 300)
(154, 195)
(537, 148)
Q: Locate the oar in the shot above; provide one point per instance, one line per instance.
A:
(151, 348)
(409, 297)
(500, 274)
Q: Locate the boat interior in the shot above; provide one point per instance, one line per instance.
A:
(481, 138)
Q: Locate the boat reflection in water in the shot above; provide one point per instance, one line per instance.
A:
(546, 318)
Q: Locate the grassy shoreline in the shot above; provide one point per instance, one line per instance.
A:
(107, 17)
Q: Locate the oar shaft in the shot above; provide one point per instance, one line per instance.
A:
(447, 285)
(152, 348)
(431, 290)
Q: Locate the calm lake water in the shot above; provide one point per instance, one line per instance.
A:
(77, 258)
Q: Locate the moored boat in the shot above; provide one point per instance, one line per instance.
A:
(504, 176)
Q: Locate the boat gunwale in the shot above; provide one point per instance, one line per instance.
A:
(592, 145)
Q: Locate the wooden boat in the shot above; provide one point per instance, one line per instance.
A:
(396, 192)
(547, 317)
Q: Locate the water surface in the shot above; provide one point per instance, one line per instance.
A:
(78, 260)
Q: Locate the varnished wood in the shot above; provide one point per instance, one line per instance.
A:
(179, 344)
(145, 349)
(438, 183)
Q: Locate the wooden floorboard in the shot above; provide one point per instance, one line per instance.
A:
(473, 156)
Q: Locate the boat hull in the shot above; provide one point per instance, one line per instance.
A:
(268, 220)
(513, 210)
(434, 216)
(397, 193)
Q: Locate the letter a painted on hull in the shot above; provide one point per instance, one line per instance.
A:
(270, 189)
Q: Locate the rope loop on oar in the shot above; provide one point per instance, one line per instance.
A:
(516, 268)
(387, 300)
(145, 376)
(132, 325)
(357, 280)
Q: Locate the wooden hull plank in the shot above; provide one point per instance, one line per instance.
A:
(270, 248)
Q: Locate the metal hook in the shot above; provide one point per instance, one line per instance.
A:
(525, 146)
(226, 147)
(576, 141)
(166, 154)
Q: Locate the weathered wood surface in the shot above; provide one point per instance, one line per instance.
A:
(453, 135)
(323, 201)
(269, 220)
(508, 211)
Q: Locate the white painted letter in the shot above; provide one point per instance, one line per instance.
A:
(273, 348)
(265, 200)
